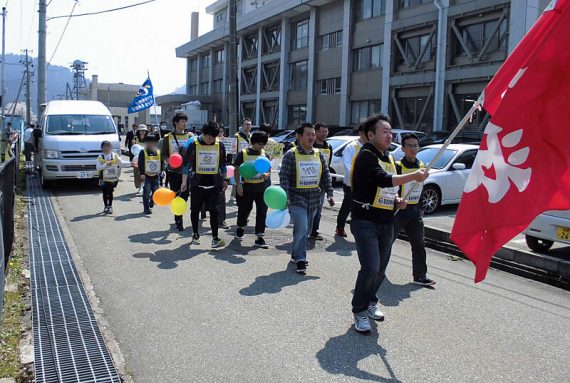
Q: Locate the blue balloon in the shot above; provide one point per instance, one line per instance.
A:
(190, 140)
(275, 219)
(262, 164)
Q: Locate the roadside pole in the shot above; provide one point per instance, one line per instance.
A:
(232, 70)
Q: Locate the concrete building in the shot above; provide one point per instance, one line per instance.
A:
(117, 97)
(422, 61)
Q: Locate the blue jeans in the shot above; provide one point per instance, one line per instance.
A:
(317, 220)
(302, 221)
(373, 245)
(149, 187)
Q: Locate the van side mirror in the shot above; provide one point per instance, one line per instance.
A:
(459, 166)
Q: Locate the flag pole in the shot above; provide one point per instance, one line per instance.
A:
(445, 145)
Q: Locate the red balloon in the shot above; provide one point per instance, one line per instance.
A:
(175, 160)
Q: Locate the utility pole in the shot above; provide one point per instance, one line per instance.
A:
(42, 55)
(232, 69)
(28, 93)
(3, 101)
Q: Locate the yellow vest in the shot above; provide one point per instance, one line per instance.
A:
(385, 197)
(308, 168)
(242, 143)
(259, 178)
(110, 173)
(415, 195)
(207, 158)
(182, 139)
(151, 164)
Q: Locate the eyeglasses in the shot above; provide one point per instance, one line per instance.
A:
(412, 146)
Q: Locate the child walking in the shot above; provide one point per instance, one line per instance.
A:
(150, 167)
(109, 166)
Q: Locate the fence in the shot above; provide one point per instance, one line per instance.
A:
(8, 174)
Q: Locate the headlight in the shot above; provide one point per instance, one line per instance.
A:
(50, 154)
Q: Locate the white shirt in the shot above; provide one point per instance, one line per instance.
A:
(347, 156)
(28, 135)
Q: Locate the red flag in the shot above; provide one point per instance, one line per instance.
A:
(523, 165)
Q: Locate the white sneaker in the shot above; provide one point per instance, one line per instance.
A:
(362, 324)
(375, 314)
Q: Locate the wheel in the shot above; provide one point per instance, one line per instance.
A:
(431, 198)
(537, 244)
(334, 181)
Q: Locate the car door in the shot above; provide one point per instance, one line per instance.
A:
(456, 179)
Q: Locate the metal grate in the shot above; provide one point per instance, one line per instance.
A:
(68, 345)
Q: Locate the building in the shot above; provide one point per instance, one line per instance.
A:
(422, 61)
(117, 97)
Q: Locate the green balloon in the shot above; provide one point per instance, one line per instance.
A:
(247, 170)
(275, 198)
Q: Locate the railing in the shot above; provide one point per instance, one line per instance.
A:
(8, 174)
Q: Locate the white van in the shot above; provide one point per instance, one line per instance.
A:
(547, 228)
(72, 132)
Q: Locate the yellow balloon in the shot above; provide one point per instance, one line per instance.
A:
(178, 206)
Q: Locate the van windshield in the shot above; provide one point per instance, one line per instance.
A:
(62, 125)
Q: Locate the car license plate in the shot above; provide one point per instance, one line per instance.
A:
(563, 233)
(84, 175)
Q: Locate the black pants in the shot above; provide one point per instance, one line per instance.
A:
(414, 227)
(210, 198)
(108, 188)
(344, 208)
(28, 148)
(245, 205)
(175, 182)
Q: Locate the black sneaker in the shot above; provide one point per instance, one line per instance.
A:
(239, 233)
(302, 267)
(218, 242)
(179, 226)
(260, 242)
(196, 239)
(316, 236)
(424, 281)
(147, 211)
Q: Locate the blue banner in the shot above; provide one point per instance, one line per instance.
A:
(144, 98)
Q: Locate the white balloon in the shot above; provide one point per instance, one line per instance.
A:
(136, 149)
(286, 220)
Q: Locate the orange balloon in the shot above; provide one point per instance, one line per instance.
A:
(163, 196)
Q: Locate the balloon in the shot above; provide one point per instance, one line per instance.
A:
(163, 196)
(286, 220)
(231, 171)
(136, 149)
(247, 170)
(275, 219)
(275, 197)
(262, 164)
(190, 140)
(175, 160)
(178, 206)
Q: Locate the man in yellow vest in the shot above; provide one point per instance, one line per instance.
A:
(410, 219)
(176, 142)
(205, 162)
(374, 198)
(244, 135)
(251, 190)
(150, 167)
(321, 134)
(304, 174)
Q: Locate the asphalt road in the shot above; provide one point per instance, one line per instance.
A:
(190, 314)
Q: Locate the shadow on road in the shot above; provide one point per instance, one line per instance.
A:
(152, 237)
(126, 217)
(274, 283)
(89, 216)
(342, 354)
(341, 247)
(168, 259)
(391, 295)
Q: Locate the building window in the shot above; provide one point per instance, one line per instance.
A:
(413, 46)
(330, 41)
(219, 57)
(367, 9)
(193, 89)
(250, 47)
(248, 111)
(205, 61)
(270, 76)
(329, 86)
(299, 75)
(217, 86)
(413, 3)
(272, 40)
(368, 58)
(300, 34)
(204, 88)
(411, 111)
(221, 15)
(361, 110)
(249, 80)
(297, 114)
(270, 111)
(193, 65)
(475, 36)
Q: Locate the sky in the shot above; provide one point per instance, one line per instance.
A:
(119, 46)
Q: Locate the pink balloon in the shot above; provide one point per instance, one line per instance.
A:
(231, 171)
(175, 160)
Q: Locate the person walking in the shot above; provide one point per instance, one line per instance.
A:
(140, 135)
(321, 134)
(150, 165)
(410, 219)
(252, 189)
(243, 135)
(205, 162)
(374, 197)
(29, 147)
(130, 140)
(304, 173)
(348, 156)
(109, 166)
(172, 143)
(222, 202)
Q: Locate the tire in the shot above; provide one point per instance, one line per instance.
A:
(537, 244)
(431, 198)
(334, 180)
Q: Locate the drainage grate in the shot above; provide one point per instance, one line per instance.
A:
(68, 345)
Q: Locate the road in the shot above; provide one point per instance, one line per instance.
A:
(190, 314)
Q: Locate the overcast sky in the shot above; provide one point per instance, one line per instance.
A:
(119, 46)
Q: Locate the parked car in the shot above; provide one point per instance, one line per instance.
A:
(72, 132)
(397, 134)
(448, 175)
(463, 137)
(345, 132)
(279, 137)
(547, 228)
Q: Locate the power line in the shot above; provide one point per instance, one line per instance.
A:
(62, 33)
(100, 12)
